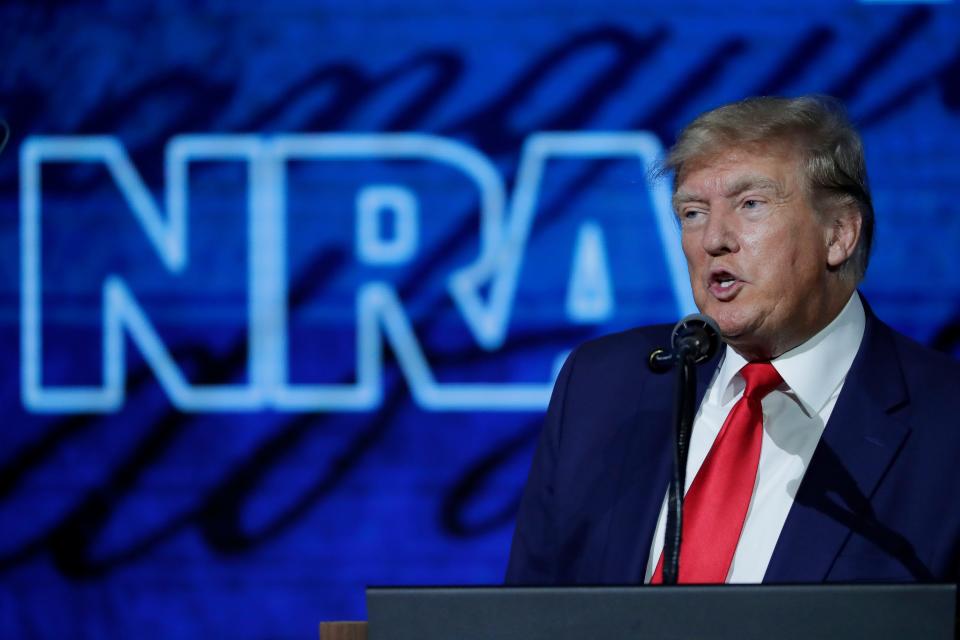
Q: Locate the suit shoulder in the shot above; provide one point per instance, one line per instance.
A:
(930, 369)
(930, 379)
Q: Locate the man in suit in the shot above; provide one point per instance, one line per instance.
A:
(825, 446)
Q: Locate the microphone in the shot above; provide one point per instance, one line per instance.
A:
(694, 340)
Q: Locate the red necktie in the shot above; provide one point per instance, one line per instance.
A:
(716, 504)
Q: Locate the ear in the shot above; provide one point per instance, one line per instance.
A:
(842, 235)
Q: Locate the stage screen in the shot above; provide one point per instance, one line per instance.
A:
(285, 286)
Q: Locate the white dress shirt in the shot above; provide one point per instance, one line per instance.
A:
(794, 416)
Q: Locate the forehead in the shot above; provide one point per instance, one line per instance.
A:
(731, 170)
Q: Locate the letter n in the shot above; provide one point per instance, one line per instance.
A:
(93, 246)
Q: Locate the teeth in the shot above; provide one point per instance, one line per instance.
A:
(727, 283)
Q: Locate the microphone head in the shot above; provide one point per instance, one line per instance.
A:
(696, 336)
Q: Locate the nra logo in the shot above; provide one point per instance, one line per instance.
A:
(388, 222)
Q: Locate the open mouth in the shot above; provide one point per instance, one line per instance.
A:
(724, 284)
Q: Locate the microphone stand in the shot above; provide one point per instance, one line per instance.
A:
(695, 339)
(683, 415)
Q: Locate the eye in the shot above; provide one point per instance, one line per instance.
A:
(690, 216)
(750, 203)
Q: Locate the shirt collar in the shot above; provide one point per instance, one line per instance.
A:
(812, 370)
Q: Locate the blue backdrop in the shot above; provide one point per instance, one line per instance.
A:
(285, 285)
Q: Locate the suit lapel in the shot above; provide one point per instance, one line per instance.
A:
(860, 442)
(643, 480)
(647, 463)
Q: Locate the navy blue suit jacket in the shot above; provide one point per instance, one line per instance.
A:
(880, 500)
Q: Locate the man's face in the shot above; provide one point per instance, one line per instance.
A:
(756, 250)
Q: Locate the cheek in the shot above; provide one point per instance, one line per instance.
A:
(772, 249)
(760, 241)
(690, 251)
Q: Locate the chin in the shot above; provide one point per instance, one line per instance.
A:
(732, 324)
(721, 313)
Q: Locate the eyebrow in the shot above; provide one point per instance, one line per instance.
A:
(745, 183)
(749, 183)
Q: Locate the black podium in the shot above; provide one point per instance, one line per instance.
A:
(878, 612)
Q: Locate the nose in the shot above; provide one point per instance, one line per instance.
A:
(720, 235)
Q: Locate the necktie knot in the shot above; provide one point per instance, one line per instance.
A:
(761, 378)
